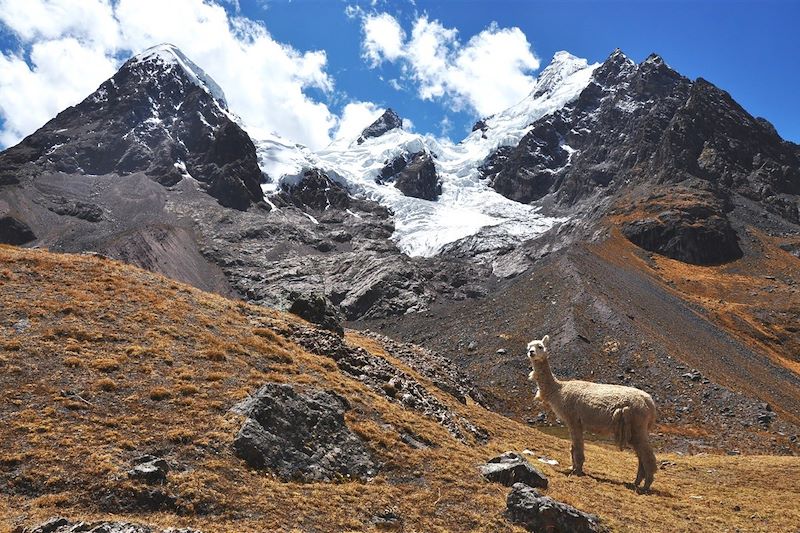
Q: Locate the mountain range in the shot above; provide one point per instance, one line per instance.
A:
(644, 220)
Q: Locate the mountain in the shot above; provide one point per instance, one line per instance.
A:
(645, 220)
(161, 116)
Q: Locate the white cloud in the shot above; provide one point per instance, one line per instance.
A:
(62, 72)
(74, 45)
(355, 117)
(489, 73)
(383, 38)
(88, 20)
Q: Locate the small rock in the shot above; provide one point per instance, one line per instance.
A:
(388, 519)
(510, 468)
(527, 507)
(501, 351)
(150, 470)
(21, 325)
(472, 345)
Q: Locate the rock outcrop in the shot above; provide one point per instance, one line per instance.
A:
(510, 468)
(63, 525)
(535, 512)
(386, 122)
(392, 382)
(13, 231)
(316, 191)
(414, 174)
(686, 225)
(301, 435)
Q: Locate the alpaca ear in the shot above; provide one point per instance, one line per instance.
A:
(546, 341)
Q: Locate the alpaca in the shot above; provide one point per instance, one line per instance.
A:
(627, 413)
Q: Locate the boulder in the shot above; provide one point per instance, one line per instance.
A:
(13, 231)
(150, 470)
(317, 309)
(535, 512)
(510, 468)
(301, 435)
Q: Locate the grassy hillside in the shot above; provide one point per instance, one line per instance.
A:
(101, 363)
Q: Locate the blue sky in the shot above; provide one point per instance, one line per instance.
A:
(750, 49)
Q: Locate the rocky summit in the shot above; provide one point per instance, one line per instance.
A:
(209, 328)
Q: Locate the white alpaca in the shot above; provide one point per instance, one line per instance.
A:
(625, 412)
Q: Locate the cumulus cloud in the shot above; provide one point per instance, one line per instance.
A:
(355, 117)
(69, 47)
(489, 73)
(383, 38)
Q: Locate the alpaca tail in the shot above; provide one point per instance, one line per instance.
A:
(622, 427)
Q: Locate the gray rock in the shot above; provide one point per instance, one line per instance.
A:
(301, 435)
(74, 208)
(535, 512)
(510, 468)
(317, 309)
(700, 234)
(415, 175)
(150, 470)
(63, 525)
(16, 232)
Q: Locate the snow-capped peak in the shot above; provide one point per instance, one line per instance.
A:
(386, 122)
(561, 67)
(557, 85)
(653, 59)
(170, 55)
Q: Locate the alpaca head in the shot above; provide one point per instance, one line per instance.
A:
(537, 350)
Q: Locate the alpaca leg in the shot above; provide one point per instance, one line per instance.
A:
(640, 472)
(576, 434)
(649, 464)
(647, 461)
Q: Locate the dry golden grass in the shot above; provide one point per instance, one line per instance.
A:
(62, 455)
(755, 299)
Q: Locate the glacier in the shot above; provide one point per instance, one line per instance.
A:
(467, 206)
